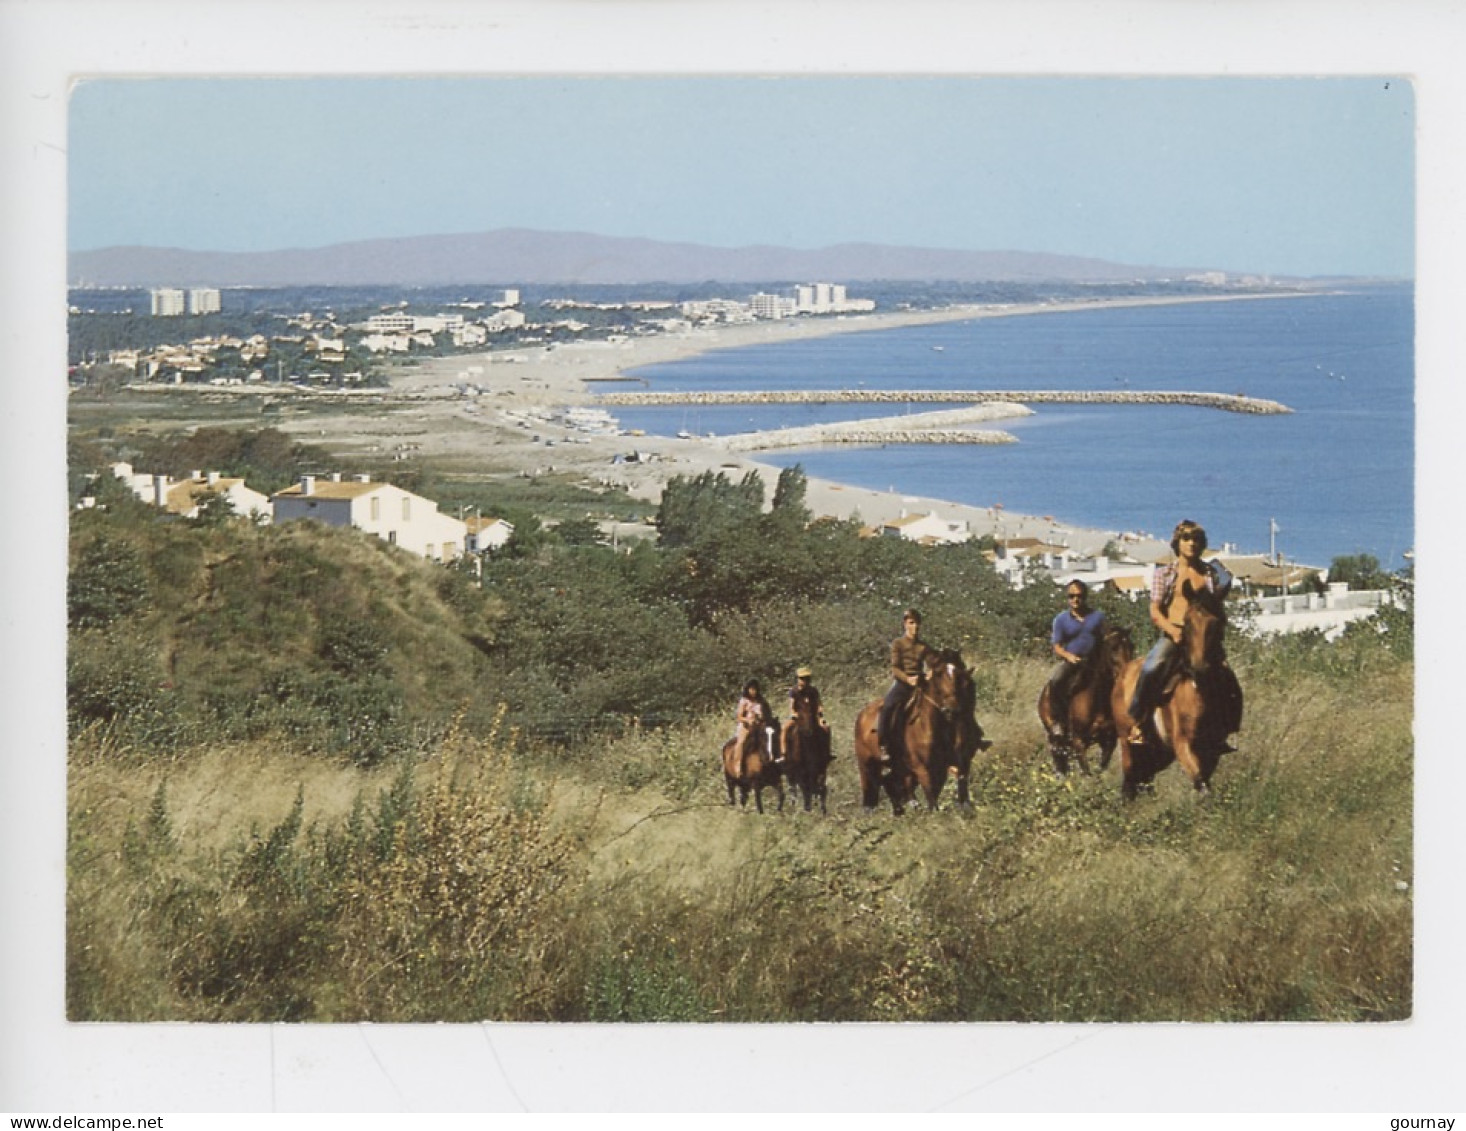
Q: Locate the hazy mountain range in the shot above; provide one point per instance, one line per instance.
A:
(514, 256)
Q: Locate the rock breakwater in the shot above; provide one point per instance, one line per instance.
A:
(945, 427)
(809, 437)
(1228, 402)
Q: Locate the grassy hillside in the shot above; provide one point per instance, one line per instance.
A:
(312, 779)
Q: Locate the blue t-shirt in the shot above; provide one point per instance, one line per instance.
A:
(1075, 635)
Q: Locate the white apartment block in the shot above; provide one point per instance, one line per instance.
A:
(390, 324)
(773, 306)
(167, 302)
(392, 514)
(827, 298)
(718, 309)
(204, 300)
(400, 323)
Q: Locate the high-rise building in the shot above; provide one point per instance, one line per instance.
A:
(772, 306)
(203, 300)
(167, 302)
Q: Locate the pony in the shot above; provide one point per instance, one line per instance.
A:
(807, 756)
(1089, 720)
(934, 737)
(751, 768)
(1200, 707)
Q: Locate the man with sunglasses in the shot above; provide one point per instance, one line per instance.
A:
(1076, 631)
(1168, 606)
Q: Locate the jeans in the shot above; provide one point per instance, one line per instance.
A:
(1061, 686)
(895, 697)
(1152, 673)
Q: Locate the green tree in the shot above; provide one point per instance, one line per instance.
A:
(1361, 571)
(789, 495)
(580, 532)
(707, 506)
(214, 509)
(107, 582)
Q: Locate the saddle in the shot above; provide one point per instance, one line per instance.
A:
(1228, 717)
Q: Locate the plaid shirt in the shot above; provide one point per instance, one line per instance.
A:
(1163, 583)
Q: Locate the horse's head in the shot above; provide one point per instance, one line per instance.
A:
(1117, 646)
(949, 684)
(1206, 625)
(804, 715)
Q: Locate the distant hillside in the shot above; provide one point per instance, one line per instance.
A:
(518, 256)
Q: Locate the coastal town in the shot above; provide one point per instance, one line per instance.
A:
(552, 550)
(533, 404)
(321, 349)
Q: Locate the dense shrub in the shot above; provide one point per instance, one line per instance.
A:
(566, 852)
(107, 582)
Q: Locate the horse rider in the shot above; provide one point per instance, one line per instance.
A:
(804, 692)
(908, 653)
(1077, 630)
(1168, 607)
(755, 714)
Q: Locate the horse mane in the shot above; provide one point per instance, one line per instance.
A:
(1207, 599)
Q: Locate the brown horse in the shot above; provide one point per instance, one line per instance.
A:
(1201, 705)
(1089, 721)
(807, 754)
(751, 769)
(969, 738)
(934, 738)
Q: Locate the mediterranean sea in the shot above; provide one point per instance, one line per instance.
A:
(1336, 474)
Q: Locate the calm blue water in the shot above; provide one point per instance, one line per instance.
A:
(1337, 474)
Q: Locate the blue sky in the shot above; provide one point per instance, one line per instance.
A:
(1305, 176)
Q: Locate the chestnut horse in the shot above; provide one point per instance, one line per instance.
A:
(934, 738)
(807, 754)
(1201, 706)
(1089, 722)
(752, 769)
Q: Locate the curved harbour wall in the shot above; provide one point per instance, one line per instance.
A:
(1225, 401)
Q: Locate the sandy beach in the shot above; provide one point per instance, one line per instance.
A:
(494, 411)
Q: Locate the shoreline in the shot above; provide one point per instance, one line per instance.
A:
(497, 407)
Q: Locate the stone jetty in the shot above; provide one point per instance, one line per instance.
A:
(810, 437)
(1228, 402)
(948, 427)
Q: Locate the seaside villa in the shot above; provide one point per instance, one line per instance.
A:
(183, 496)
(928, 529)
(392, 514)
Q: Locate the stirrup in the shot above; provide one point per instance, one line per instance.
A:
(1136, 737)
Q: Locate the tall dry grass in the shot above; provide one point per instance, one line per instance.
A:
(612, 882)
